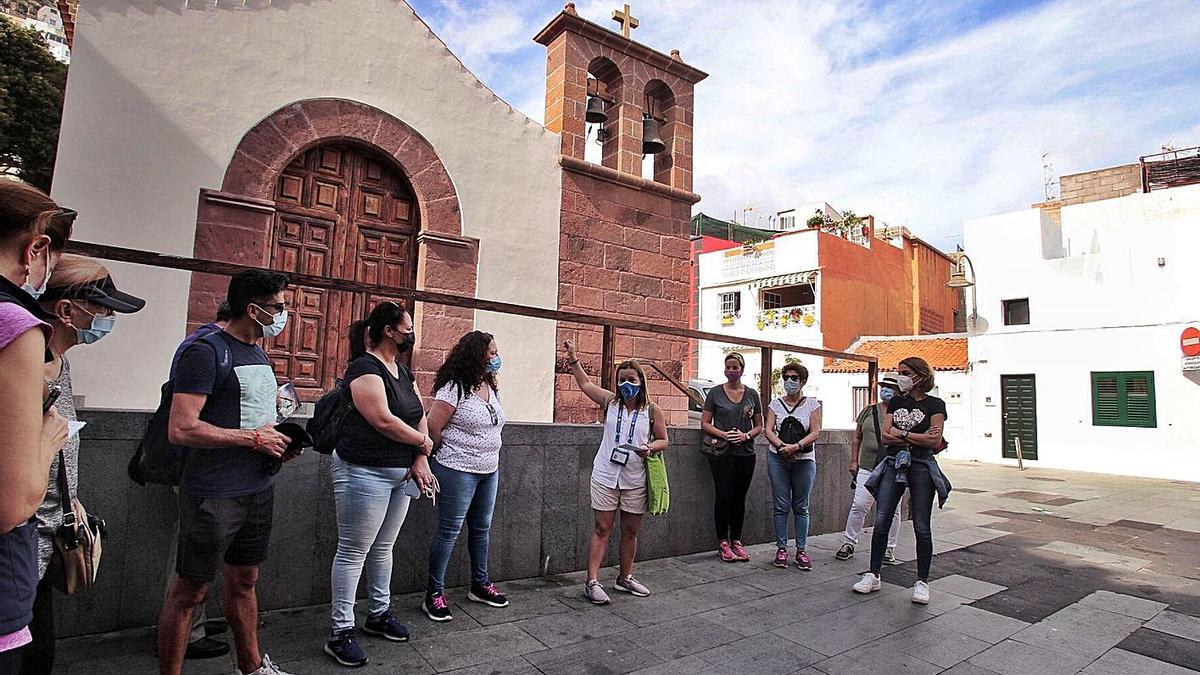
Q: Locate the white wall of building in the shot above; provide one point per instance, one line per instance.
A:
(1109, 291)
(158, 99)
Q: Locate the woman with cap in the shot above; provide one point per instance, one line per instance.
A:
(732, 419)
(33, 233)
(82, 298)
(865, 451)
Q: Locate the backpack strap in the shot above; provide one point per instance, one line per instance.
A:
(223, 354)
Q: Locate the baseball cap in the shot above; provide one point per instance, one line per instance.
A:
(101, 292)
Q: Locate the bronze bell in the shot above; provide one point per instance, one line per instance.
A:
(651, 143)
(595, 111)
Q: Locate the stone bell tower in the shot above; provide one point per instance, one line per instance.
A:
(624, 242)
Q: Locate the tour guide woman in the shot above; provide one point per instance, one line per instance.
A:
(732, 419)
(465, 422)
(384, 443)
(618, 472)
(912, 431)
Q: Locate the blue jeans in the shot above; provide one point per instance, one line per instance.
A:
(371, 506)
(469, 497)
(791, 483)
(887, 500)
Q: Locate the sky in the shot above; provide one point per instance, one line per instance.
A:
(923, 113)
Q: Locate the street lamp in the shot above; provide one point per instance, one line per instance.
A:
(958, 279)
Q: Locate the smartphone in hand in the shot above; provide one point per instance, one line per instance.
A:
(51, 398)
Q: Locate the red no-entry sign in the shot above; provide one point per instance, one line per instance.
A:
(1189, 342)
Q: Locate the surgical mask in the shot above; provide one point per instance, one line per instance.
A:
(101, 326)
(886, 394)
(36, 293)
(791, 386)
(493, 364)
(628, 390)
(406, 342)
(733, 374)
(905, 382)
(278, 322)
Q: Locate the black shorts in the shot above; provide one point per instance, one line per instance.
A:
(235, 528)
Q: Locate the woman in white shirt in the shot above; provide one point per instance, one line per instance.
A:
(618, 472)
(465, 423)
(793, 425)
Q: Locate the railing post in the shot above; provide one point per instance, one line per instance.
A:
(872, 382)
(606, 358)
(764, 379)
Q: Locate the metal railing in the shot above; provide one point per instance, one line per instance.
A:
(1170, 168)
(413, 295)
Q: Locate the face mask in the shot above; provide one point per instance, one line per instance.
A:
(791, 386)
(628, 390)
(407, 340)
(493, 364)
(905, 382)
(101, 326)
(278, 322)
(886, 394)
(36, 293)
(733, 375)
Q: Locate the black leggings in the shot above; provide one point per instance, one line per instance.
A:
(731, 479)
(39, 654)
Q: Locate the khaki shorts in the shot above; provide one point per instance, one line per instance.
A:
(605, 498)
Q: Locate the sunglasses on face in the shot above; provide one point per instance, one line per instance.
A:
(791, 378)
(278, 306)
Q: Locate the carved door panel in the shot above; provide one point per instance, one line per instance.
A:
(342, 212)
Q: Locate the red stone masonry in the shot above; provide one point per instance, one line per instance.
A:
(624, 247)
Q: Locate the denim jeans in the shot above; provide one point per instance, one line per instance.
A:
(371, 506)
(920, 484)
(791, 484)
(469, 497)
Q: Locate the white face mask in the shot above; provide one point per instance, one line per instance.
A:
(278, 323)
(905, 382)
(36, 293)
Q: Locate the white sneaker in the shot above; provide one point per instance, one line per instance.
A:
(868, 584)
(267, 668)
(921, 593)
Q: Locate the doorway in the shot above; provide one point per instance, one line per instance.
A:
(1018, 394)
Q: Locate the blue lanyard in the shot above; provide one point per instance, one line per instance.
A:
(632, 424)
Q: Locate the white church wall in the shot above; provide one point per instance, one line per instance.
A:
(159, 96)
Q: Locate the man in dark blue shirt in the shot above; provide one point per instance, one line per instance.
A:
(223, 412)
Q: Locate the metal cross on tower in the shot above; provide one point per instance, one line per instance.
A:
(626, 19)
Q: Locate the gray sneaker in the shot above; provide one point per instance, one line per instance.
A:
(846, 552)
(595, 594)
(889, 557)
(631, 585)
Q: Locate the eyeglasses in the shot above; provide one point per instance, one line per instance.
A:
(492, 412)
(278, 306)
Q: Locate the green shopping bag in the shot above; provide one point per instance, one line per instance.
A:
(657, 489)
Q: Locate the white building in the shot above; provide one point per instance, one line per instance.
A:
(1077, 349)
(49, 25)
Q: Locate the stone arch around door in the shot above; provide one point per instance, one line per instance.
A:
(244, 221)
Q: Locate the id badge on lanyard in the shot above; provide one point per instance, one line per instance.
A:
(620, 452)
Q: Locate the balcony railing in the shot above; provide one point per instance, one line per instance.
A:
(1171, 168)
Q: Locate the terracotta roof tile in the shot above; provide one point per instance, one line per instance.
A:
(943, 352)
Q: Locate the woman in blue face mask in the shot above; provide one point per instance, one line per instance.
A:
(633, 429)
(465, 423)
(82, 298)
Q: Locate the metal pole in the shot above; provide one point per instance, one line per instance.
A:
(1020, 460)
(764, 378)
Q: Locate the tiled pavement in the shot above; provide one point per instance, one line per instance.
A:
(1035, 572)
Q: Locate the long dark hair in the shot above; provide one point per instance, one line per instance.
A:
(466, 365)
(358, 339)
(386, 314)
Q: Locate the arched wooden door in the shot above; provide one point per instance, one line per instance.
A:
(343, 211)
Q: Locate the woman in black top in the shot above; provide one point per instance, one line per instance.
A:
(912, 432)
(383, 444)
(732, 419)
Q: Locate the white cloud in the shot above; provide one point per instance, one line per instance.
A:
(899, 110)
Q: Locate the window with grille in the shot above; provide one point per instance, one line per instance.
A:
(771, 300)
(860, 398)
(1124, 399)
(731, 303)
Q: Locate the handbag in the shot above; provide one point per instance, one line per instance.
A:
(711, 445)
(658, 490)
(77, 542)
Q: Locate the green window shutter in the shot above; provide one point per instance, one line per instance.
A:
(1124, 399)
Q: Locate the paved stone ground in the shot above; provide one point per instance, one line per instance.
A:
(1035, 572)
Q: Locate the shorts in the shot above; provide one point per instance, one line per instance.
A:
(605, 498)
(235, 529)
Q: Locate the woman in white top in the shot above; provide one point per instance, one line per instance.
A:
(618, 472)
(465, 422)
(792, 462)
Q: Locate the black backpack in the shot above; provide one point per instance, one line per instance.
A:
(156, 460)
(791, 429)
(329, 415)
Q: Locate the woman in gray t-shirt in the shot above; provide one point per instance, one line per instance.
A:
(733, 418)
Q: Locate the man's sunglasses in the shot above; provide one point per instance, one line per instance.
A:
(791, 378)
(278, 307)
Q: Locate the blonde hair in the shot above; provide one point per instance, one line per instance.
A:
(73, 271)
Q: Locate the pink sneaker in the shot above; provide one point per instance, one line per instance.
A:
(803, 561)
(726, 552)
(781, 558)
(740, 552)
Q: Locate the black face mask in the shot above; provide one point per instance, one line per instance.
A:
(407, 340)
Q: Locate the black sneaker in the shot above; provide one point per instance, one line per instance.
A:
(846, 552)
(437, 607)
(487, 594)
(206, 648)
(343, 648)
(387, 626)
